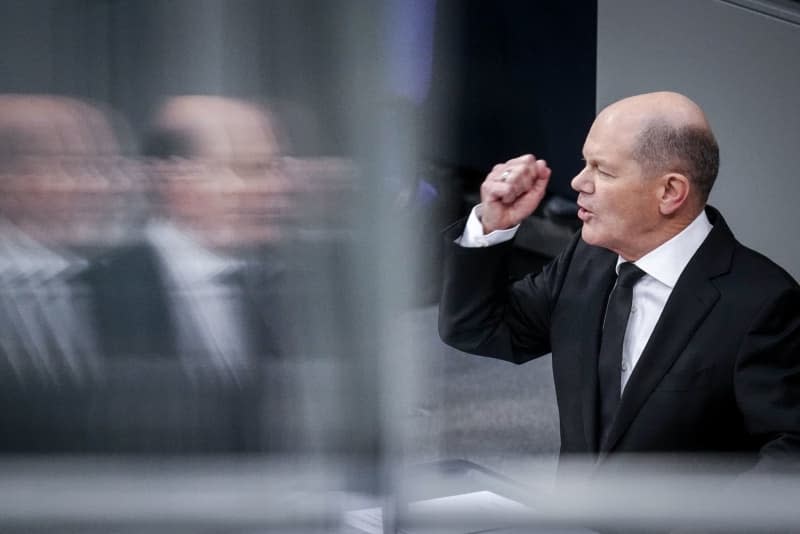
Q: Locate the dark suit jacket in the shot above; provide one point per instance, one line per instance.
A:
(720, 373)
(134, 316)
(146, 401)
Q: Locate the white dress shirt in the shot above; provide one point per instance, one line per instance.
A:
(48, 332)
(662, 266)
(208, 311)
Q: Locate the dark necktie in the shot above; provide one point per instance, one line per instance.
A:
(610, 360)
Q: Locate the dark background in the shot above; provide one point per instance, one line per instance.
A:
(507, 77)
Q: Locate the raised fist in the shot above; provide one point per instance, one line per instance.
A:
(512, 191)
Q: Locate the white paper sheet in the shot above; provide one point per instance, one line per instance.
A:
(370, 520)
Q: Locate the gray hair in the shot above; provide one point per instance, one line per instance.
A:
(690, 150)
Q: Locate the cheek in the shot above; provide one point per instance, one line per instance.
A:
(626, 207)
(637, 212)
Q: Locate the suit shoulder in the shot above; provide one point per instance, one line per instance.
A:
(578, 261)
(758, 268)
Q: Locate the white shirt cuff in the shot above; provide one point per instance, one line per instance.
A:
(473, 236)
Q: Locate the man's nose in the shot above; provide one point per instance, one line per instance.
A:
(582, 182)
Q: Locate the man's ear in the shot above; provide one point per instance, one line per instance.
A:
(674, 192)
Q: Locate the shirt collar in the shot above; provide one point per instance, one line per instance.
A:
(666, 262)
(23, 259)
(186, 261)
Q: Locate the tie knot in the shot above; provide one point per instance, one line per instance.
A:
(629, 274)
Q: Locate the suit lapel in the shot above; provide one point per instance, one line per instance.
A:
(602, 275)
(129, 306)
(261, 283)
(691, 300)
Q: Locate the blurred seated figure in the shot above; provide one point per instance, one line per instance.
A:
(207, 291)
(230, 202)
(67, 197)
(251, 247)
(222, 201)
(187, 314)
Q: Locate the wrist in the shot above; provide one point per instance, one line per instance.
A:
(487, 228)
(475, 236)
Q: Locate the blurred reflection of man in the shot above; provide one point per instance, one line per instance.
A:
(667, 335)
(204, 287)
(65, 196)
(224, 199)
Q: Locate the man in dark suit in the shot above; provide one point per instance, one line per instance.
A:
(702, 356)
(188, 315)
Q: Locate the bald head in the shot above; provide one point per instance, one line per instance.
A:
(673, 108)
(673, 135)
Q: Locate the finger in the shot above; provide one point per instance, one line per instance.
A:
(501, 172)
(541, 167)
(544, 172)
(504, 175)
(539, 185)
(512, 185)
(521, 173)
(521, 177)
(496, 171)
(535, 172)
(519, 161)
(525, 159)
(515, 168)
(496, 190)
(528, 168)
(527, 203)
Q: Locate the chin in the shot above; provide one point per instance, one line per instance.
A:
(590, 236)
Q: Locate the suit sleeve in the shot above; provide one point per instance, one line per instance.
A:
(482, 312)
(767, 380)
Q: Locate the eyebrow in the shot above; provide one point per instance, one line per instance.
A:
(596, 159)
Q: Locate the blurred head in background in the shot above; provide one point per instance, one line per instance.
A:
(64, 179)
(216, 165)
